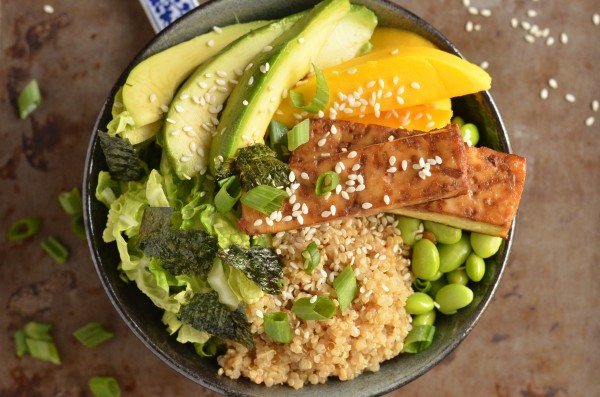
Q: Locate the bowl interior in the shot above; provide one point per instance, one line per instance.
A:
(144, 318)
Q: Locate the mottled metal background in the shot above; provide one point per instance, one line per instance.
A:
(539, 337)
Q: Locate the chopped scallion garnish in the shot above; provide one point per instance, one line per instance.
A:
(321, 98)
(345, 287)
(264, 198)
(77, 227)
(24, 228)
(43, 350)
(104, 386)
(20, 343)
(326, 182)
(207, 349)
(298, 135)
(29, 99)
(56, 249)
(312, 257)
(228, 195)
(419, 338)
(277, 327)
(314, 309)
(71, 202)
(38, 331)
(92, 334)
(277, 134)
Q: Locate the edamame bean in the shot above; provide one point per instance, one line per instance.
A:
(457, 276)
(425, 260)
(485, 245)
(454, 255)
(475, 267)
(470, 133)
(452, 297)
(443, 234)
(409, 228)
(419, 303)
(458, 120)
(424, 319)
(436, 286)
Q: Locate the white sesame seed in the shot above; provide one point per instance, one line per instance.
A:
(570, 98)
(164, 108)
(304, 176)
(292, 177)
(351, 189)
(301, 40)
(322, 142)
(553, 83)
(258, 222)
(259, 313)
(386, 199)
(391, 170)
(529, 38)
(525, 25)
(395, 51)
(152, 97)
(415, 85)
(595, 105)
(400, 100)
(269, 221)
(544, 93)
(596, 19)
(325, 214)
(267, 48)
(589, 121)
(486, 12)
(265, 68)
(345, 194)
(477, 27)
(356, 167)
(564, 39)
(550, 41)
(404, 165)
(352, 154)
(438, 159)
(352, 71)
(514, 22)
(333, 209)
(473, 10)
(469, 26)
(531, 13)
(185, 159)
(292, 199)
(210, 43)
(366, 206)
(422, 175)
(175, 132)
(385, 288)
(193, 146)
(484, 64)
(179, 108)
(313, 299)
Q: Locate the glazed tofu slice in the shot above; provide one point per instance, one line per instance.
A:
(377, 178)
(496, 183)
(328, 137)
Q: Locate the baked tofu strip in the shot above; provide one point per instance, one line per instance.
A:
(372, 180)
(496, 182)
(328, 137)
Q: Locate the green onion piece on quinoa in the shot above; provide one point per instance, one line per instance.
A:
(321, 98)
(104, 386)
(326, 182)
(277, 327)
(298, 135)
(419, 338)
(92, 334)
(24, 228)
(312, 257)
(345, 287)
(228, 195)
(29, 99)
(315, 308)
(56, 249)
(264, 198)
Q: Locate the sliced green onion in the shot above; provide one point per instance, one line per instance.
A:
(104, 386)
(345, 287)
(321, 98)
(277, 134)
(326, 182)
(228, 195)
(207, 349)
(419, 338)
(312, 257)
(277, 327)
(24, 228)
(56, 249)
(38, 331)
(43, 350)
(298, 135)
(71, 202)
(20, 343)
(29, 99)
(77, 227)
(422, 285)
(92, 334)
(264, 198)
(321, 309)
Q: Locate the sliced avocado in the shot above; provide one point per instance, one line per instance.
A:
(151, 84)
(192, 118)
(350, 37)
(254, 100)
(143, 133)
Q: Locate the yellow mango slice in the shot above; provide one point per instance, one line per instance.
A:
(381, 81)
(391, 38)
(420, 117)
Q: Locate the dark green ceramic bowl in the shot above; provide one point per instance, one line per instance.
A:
(144, 319)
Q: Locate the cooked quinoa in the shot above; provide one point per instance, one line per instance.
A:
(372, 329)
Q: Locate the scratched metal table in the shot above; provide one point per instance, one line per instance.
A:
(539, 337)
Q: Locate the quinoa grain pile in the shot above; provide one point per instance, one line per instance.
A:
(371, 330)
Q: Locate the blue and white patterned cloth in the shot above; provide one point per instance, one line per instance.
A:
(163, 12)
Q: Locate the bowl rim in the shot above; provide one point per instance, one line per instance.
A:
(153, 346)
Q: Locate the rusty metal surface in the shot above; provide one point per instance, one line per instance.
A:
(539, 337)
